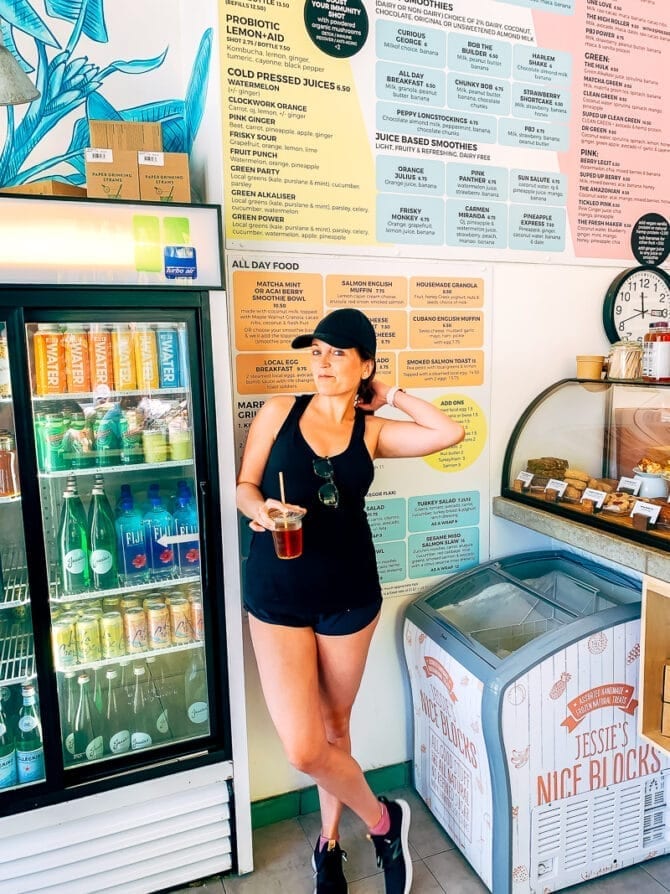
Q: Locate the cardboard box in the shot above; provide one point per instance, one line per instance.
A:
(665, 719)
(666, 683)
(111, 174)
(135, 135)
(164, 177)
(46, 188)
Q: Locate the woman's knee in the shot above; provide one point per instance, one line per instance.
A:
(307, 757)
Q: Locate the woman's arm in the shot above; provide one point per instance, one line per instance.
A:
(429, 431)
(261, 437)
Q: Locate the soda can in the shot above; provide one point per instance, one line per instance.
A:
(126, 602)
(123, 359)
(135, 629)
(49, 352)
(100, 357)
(130, 426)
(111, 604)
(53, 432)
(87, 631)
(158, 625)
(112, 635)
(197, 620)
(146, 358)
(181, 631)
(77, 365)
(169, 364)
(64, 643)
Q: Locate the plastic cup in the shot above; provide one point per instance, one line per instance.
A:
(287, 535)
(155, 444)
(590, 366)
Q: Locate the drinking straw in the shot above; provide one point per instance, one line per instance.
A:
(281, 487)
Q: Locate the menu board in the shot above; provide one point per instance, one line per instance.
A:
(429, 515)
(468, 128)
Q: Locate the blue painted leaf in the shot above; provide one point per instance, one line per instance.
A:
(8, 40)
(98, 107)
(20, 14)
(136, 66)
(93, 24)
(196, 92)
(155, 111)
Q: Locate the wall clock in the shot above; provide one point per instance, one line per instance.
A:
(635, 298)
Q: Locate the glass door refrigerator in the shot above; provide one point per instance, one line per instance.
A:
(113, 678)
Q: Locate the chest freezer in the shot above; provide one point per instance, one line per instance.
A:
(524, 675)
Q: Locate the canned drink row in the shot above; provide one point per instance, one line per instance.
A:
(122, 357)
(134, 629)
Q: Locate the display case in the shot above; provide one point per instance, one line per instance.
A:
(597, 452)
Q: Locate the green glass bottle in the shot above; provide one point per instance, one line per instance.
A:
(140, 726)
(115, 720)
(67, 718)
(102, 541)
(73, 545)
(195, 692)
(29, 746)
(88, 742)
(7, 753)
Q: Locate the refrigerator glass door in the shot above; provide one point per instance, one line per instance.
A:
(113, 421)
(497, 613)
(21, 747)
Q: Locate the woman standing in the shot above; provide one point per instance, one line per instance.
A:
(312, 618)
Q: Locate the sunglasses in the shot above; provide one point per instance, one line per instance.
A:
(328, 493)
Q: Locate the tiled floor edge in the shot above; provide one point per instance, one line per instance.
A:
(305, 800)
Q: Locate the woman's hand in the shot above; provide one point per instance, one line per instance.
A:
(379, 399)
(263, 521)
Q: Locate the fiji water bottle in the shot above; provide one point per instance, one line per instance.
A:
(186, 528)
(133, 563)
(158, 531)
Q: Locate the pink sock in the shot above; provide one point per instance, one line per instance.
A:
(324, 842)
(384, 823)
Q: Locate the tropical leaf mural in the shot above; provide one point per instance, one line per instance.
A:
(69, 82)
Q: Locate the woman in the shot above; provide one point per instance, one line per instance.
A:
(312, 618)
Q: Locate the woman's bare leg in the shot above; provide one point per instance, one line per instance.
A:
(341, 662)
(288, 664)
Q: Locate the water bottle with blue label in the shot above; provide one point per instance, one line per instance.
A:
(133, 563)
(158, 532)
(186, 531)
(29, 746)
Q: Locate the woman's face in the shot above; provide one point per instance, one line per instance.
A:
(337, 370)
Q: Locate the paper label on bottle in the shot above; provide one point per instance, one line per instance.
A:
(198, 712)
(27, 723)
(95, 749)
(140, 740)
(101, 561)
(8, 769)
(74, 561)
(30, 765)
(3, 729)
(69, 743)
(162, 723)
(119, 742)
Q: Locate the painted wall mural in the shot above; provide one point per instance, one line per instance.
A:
(74, 88)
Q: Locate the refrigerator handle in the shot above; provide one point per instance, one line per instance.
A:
(203, 502)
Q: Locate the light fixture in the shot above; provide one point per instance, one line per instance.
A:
(15, 85)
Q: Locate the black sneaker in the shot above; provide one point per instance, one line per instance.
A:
(393, 849)
(327, 866)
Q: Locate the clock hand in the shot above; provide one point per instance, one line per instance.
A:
(640, 312)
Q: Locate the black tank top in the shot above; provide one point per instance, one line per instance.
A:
(338, 568)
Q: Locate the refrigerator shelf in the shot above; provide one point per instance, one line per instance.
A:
(132, 656)
(14, 499)
(15, 576)
(17, 658)
(92, 395)
(99, 470)
(123, 591)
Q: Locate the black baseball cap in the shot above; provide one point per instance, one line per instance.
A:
(343, 328)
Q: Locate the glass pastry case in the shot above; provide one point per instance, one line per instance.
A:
(598, 452)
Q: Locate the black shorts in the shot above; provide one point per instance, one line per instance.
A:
(351, 620)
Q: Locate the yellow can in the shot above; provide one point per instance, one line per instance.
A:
(112, 635)
(87, 631)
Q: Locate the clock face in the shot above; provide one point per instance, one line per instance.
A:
(636, 298)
